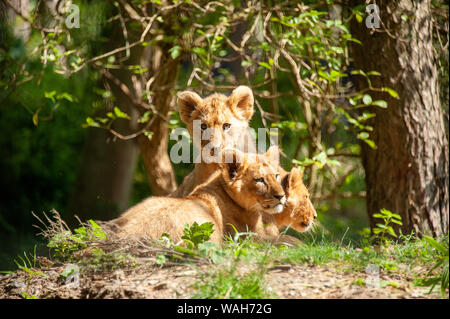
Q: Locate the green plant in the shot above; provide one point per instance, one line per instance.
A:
(27, 296)
(66, 242)
(441, 263)
(239, 243)
(381, 230)
(28, 265)
(160, 259)
(213, 252)
(197, 234)
(229, 283)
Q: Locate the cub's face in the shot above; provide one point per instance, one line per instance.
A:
(299, 212)
(253, 182)
(217, 121)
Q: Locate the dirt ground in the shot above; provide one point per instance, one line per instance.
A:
(154, 281)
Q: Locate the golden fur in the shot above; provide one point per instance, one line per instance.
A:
(299, 212)
(226, 118)
(235, 195)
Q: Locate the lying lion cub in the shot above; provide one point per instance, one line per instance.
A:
(299, 212)
(236, 194)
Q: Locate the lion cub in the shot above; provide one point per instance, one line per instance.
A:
(244, 186)
(220, 122)
(299, 212)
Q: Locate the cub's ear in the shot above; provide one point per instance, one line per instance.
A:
(295, 177)
(232, 161)
(241, 99)
(188, 101)
(273, 155)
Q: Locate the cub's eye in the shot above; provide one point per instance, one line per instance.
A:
(204, 126)
(226, 126)
(277, 177)
(259, 180)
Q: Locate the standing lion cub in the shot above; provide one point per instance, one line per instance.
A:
(244, 186)
(221, 121)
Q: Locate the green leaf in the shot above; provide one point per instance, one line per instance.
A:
(363, 135)
(197, 234)
(120, 114)
(160, 259)
(386, 212)
(391, 92)
(36, 118)
(367, 99)
(185, 250)
(145, 117)
(439, 247)
(175, 51)
(200, 51)
(380, 103)
(148, 134)
(391, 231)
(50, 95)
(91, 122)
(265, 64)
(444, 279)
(360, 72)
(65, 96)
(370, 143)
(382, 226)
(365, 116)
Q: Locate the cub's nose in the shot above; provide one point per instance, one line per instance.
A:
(281, 198)
(304, 224)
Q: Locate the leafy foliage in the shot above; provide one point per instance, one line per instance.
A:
(389, 218)
(442, 263)
(65, 243)
(196, 234)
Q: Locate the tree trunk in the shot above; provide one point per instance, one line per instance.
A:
(105, 177)
(154, 150)
(107, 169)
(408, 172)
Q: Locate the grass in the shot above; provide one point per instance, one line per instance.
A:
(239, 268)
(229, 283)
(407, 256)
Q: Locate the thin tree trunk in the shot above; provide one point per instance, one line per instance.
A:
(164, 69)
(154, 150)
(105, 177)
(408, 172)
